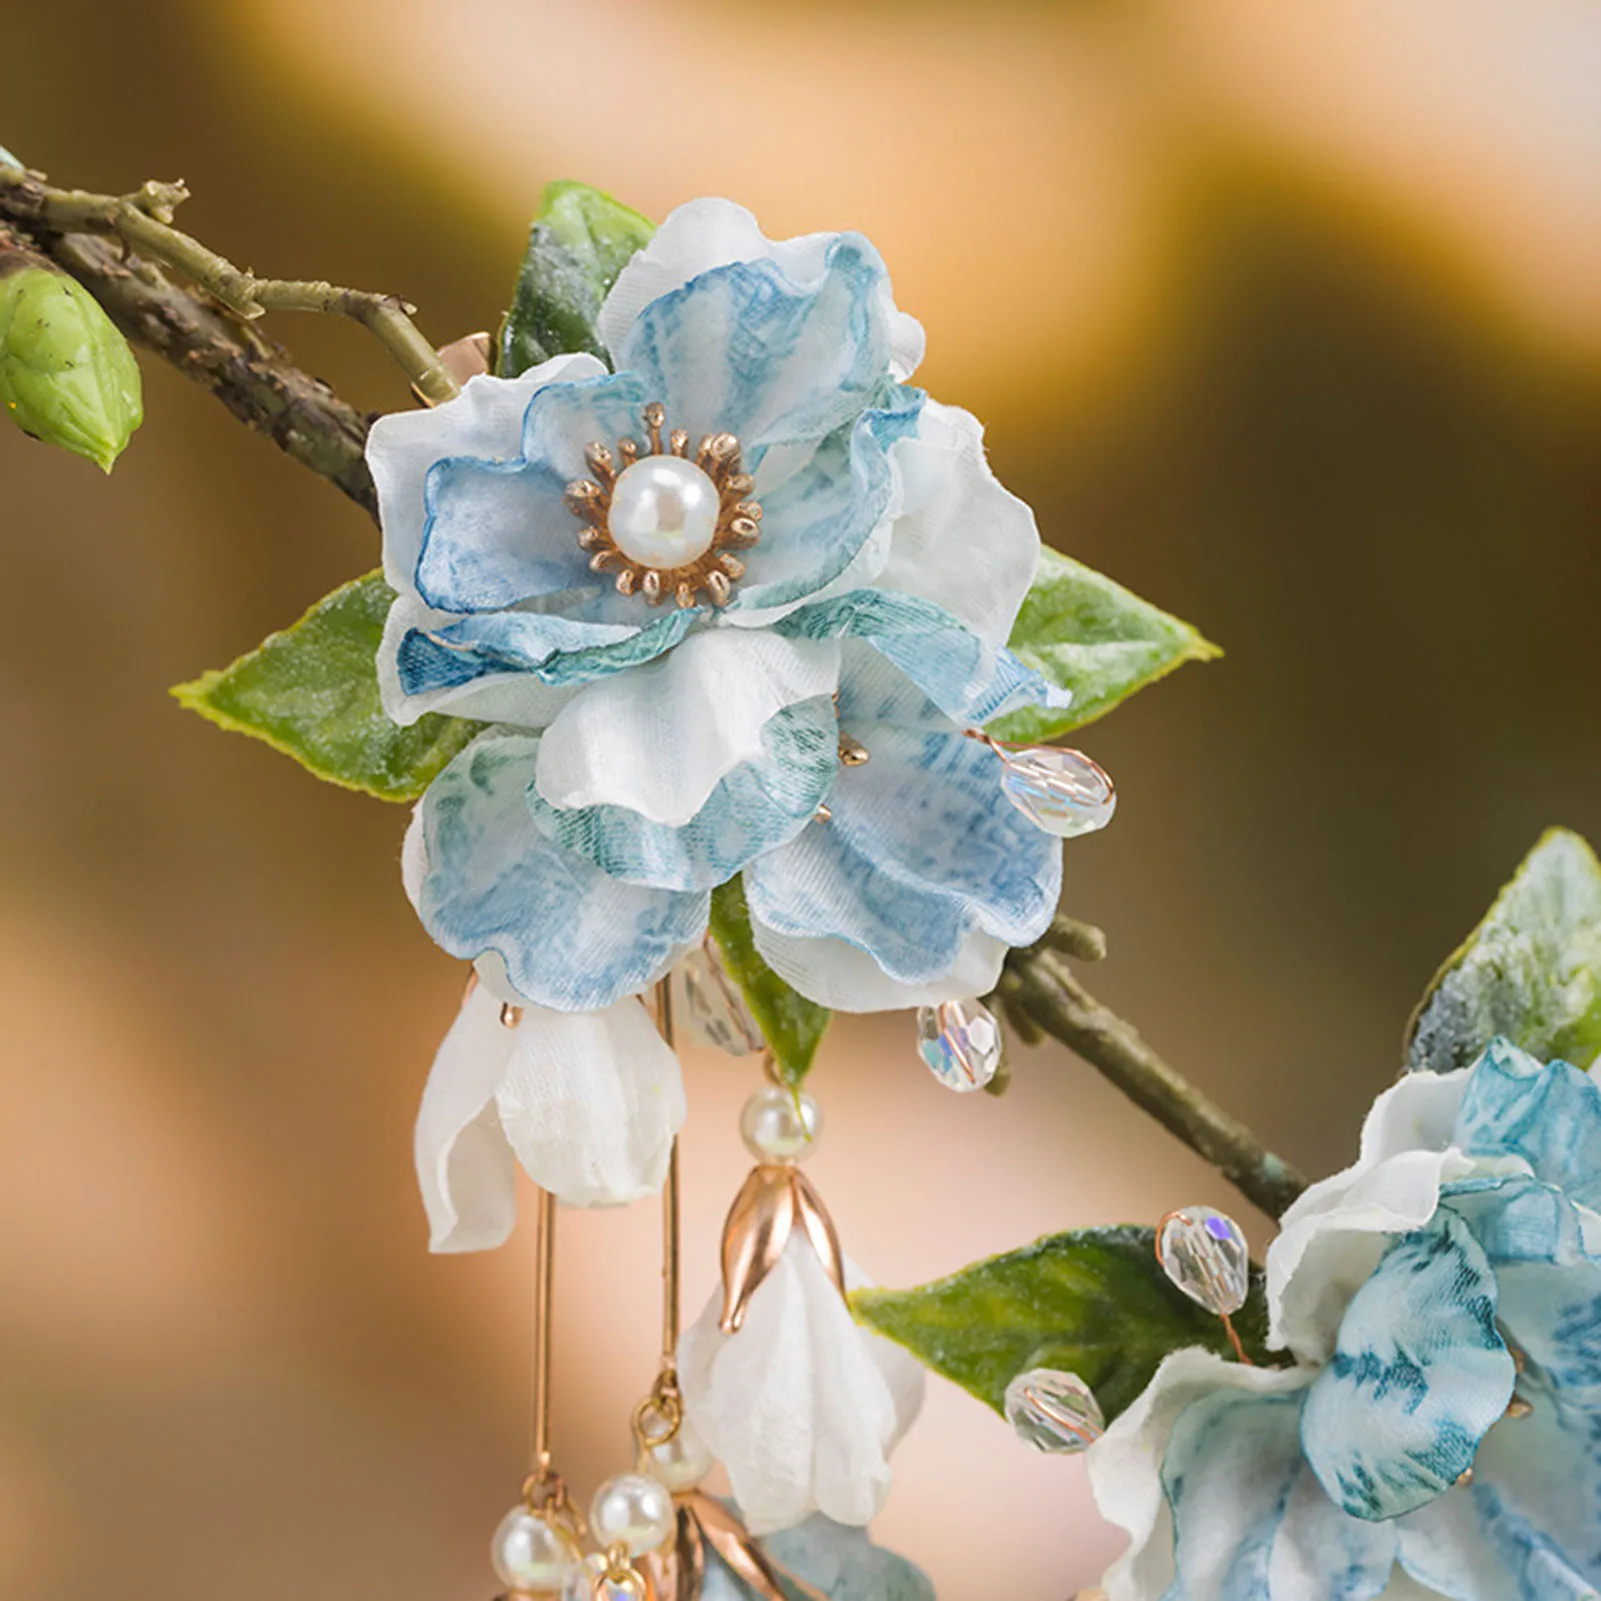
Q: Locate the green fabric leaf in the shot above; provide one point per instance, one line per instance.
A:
(792, 1025)
(1089, 635)
(312, 693)
(1531, 970)
(1094, 1302)
(580, 240)
(67, 375)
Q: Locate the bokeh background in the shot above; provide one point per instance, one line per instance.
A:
(1288, 316)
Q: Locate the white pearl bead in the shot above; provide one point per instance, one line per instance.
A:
(531, 1553)
(681, 1462)
(779, 1126)
(634, 1509)
(663, 512)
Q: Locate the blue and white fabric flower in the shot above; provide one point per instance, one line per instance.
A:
(674, 588)
(1440, 1433)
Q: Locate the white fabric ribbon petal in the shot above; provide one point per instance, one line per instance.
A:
(589, 1103)
(485, 420)
(959, 538)
(708, 233)
(802, 1406)
(659, 739)
(1331, 1239)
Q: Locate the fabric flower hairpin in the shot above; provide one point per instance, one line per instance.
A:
(718, 665)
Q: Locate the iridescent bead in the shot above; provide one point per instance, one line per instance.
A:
(716, 1010)
(590, 1583)
(779, 1125)
(532, 1554)
(1061, 791)
(1204, 1253)
(634, 1510)
(961, 1042)
(1054, 1411)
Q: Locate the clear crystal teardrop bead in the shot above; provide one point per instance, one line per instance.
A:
(1204, 1253)
(1054, 1411)
(716, 1010)
(961, 1042)
(1061, 791)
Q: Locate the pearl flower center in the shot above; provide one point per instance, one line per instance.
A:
(663, 512)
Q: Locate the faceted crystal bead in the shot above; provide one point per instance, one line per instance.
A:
(716, 1010)
(1054, 1411)
(1061, 791)
(1203, 1252)
(591, 1584)
(961, 1042)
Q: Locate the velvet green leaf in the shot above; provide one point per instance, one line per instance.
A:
(792, 1025)
(1531, 970)
(312, 693)
(1089, 635)
(580, 240)
(1094, 1302)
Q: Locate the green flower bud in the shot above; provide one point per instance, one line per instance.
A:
(66, 375)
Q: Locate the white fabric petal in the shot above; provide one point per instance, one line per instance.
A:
(514, 698)
(590, 1102)
(1125, 1464)
(703, 234)
(802, 1406)
(845, 978)
(960, 539)
(1331, 1239)
(658, 739)
(465, 1168)
(485, 421)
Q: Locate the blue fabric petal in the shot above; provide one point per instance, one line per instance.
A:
(923, 846)
(840, 1560)
(758, 806)
(1250, 1522)
(1419, 1374)
(817, 519)
(951, 665)
(563, 419)
(572, 939)
(1514, 1105)
(554, 650)
(1537, 1479)
(495, 533)
(742, 348)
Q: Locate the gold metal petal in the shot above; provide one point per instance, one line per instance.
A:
(749, 508)
(755, 1233)
(655, 414)
(626, 580)
(679, 441)
(651, 587)
(852, 752)
(738, 484)
(685, 595)
(602, 559)
(731, 565)
(628, 449)
(819, 1226)
(719, 588)
(598, 458)
(743, 531)
(733, 1543)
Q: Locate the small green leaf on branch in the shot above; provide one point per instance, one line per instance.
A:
(792, 1025)
(580, 241)
(312, 693)
(1087, 634)
(67, 375)
(1531, 970)
(1094, 1302)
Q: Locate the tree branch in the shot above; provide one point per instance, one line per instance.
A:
(1037, 990)
(143, 220)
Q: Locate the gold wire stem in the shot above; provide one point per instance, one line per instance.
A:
(544, 1288)
(670, 1203)
(1234, 1340)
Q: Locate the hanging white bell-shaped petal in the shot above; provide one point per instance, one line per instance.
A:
(588, 1102)
(802, 1406)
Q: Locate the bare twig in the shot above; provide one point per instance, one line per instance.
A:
(1038, 987)
(144, 221)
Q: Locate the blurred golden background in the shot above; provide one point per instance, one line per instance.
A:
(1289, 317)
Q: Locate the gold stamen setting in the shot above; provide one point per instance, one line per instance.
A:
(738, 520)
